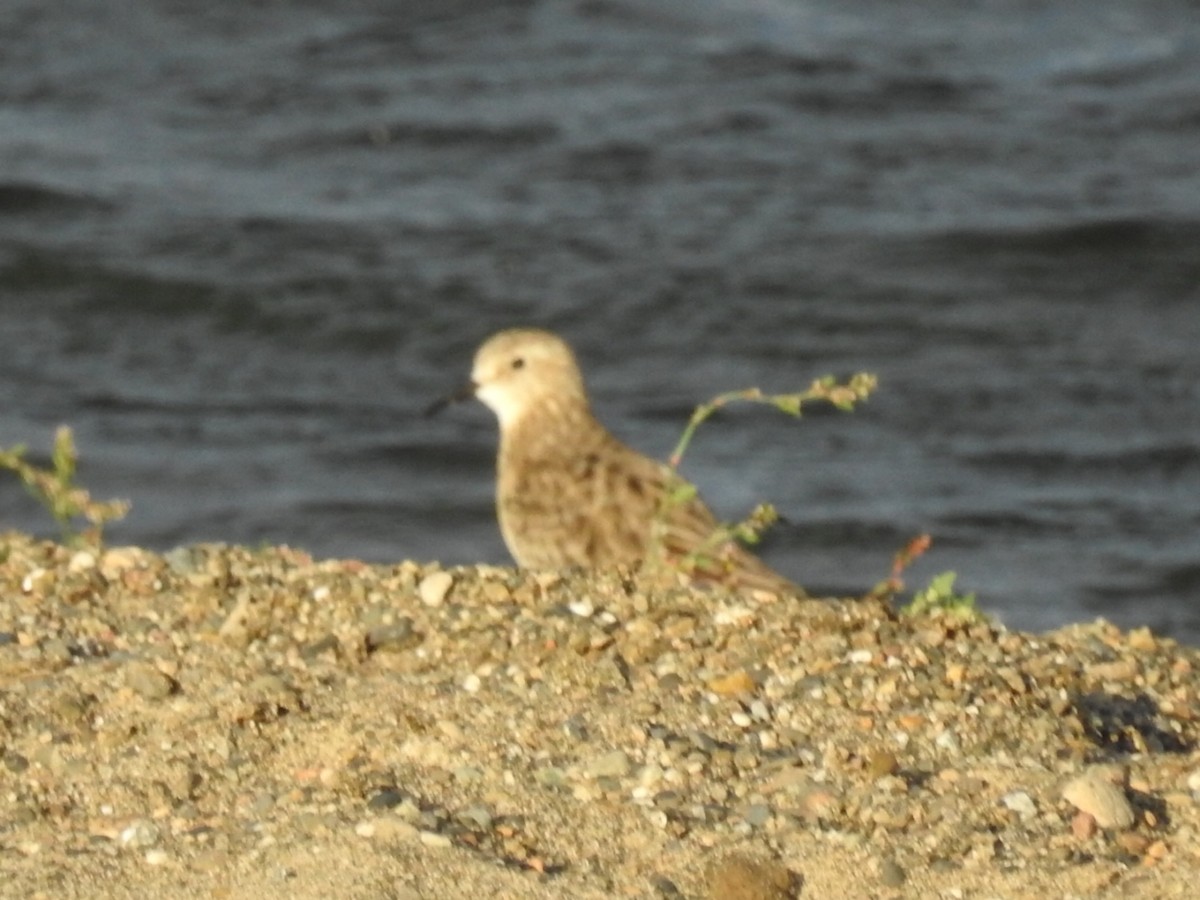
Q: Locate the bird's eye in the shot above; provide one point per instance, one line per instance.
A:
(518, 363)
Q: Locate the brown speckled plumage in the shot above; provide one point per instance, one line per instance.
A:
(568, 493)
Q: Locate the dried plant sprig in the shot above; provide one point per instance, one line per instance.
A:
(844, 396)
(55, 489)
(749, 530)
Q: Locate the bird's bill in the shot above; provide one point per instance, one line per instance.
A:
(466, 392)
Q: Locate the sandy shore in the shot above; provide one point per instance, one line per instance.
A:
(235, 723)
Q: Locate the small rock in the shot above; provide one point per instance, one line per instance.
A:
(15, 762)
(818, 803)
(149, 683)
(583, 608)
(81, 561)
(1083, 826)
(118, 560)
(434, 587)
(1122, 671)
(476, 816)
(1157, 850)
(1132, 843)
(396, 637)
(665, 887)
(1142, 639)
(551, 777)
(757, 815)
(56, 650)
(1193, 781)
(385, 799)
(742, 877)
(1099, 797)
(882, 763)
(614, 764)
(142, 833)
(948, 741)
(731, 685)
(891, 874)
(1021, 803)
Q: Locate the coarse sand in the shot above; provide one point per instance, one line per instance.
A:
(222, 722)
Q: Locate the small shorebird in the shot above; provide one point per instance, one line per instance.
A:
(570, 494)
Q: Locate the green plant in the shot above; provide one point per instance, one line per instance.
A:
(55, 489)
(940, 598)
(749, 530)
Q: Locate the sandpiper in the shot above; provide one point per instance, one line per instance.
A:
(569, 494)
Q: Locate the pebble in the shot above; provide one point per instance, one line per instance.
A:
(141, 833)
(731, 685)
(583, 608)
(1083, 825)
(434, 839)
(614, 764)
(882, 763)
(478, 816)
(434, 587)
(1097, 796)
(551, 777)
(1021, 803)
(891, 874)
(757, 814)
(743, 877)
(385, 799)
(148, 682)
(947, 740)
(396, 637)
(1132, 843)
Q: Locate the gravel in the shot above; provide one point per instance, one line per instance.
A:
(222, 721)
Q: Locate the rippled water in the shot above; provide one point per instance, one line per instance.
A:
(241, 248)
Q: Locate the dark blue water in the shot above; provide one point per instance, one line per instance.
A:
(241, 246)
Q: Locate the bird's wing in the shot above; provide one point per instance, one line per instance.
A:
(664, 521)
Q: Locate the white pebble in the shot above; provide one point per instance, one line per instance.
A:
(81, 561)
(733, 615)
(471, 683)
(141, 833)
(947, 740)
(582, 608)
(434, 587)
(1020, 803)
